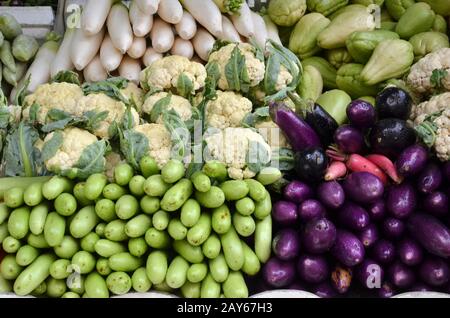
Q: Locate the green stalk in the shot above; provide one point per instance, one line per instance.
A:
(23, 152)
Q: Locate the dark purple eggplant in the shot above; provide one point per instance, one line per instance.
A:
(341, 279)
(410, 252)
(446, 171)
(331, 194)
(370, 274)
(349, 139)
(401, 200)
(278, 274)
(299, 133)
(393, 102)
(383, 251)
(348, 249)
(361, 114)
(412, 160)
(324, 290)
(377, 210)
(312, 268)
(310, 164)
(401, 275)
(285, 213)
(297, 192)
(286, 244)
(386, 290)
(318, 236)
(390, 136)
(393, 228)
(311, 209)
(363, 187)
(369, 235)
(436, 203)
(353, 216)
(434, 272)
(430, 179)
(433, 235)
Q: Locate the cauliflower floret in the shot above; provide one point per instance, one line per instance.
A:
(442, 143)
(159, 141)
(133, 92)
(15, 114)
(231, 146)
(284, 78)
(272, 134)
(227, 110)
(179, 104)
(255, 67)
(434, 105)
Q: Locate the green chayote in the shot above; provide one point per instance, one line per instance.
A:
(338, 57)
(311, 85)
(349, 80)
(349, 8)
(417, 18)
(441, 7)
(397, 8)
(385, 16)
(440, 24)
(368, 2)
(286, 12)
(388, 26)
(326, 7)
(327, 70)
(428, 42)
(335, 102)
(360, 45)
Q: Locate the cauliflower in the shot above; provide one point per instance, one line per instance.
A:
(435, 104)
(179, 104)
(134, 93)
(159, 142)
(15, 114)
(174, 72)
(236, 148)
(227, 110)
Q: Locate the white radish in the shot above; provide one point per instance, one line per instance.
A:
(151, 56)
(110, 57)
(243, 21)
(39, 71)
(272, 30)
(84, 47)
(170, 11)
(95, 71)
(148, 6)
(261, 35)
(141, 22)
(162, 36)
(187, 27)
(206, 13)
(94, 16)
(229, 32)
(203, 43)
(62, 61)
(130, 69)
(137, 49)
(183, 48)
(119, 27)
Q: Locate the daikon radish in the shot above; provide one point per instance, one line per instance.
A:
(162, 36)
(94, 15)
(148, 6)
(229, 32)
(183, 48)
(84, 47)
(272, 30)
(62, 61)
(130, 69)
(110, 57)
(203, 43)
(119, 27)
(261, 32)
(170, 11)
(141, 22)
(206, 13)
(95, 71)
(39, 71)
(187, 27)
(151, 56)
(137, 49)
(243, 21)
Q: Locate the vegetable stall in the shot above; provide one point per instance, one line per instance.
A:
(206, 148)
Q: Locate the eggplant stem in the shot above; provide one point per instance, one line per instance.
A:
(302, 107)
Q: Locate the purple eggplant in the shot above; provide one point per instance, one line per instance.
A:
(349, 139)
(363, 187)
(412, 160)
(297, 192)
(331, 194)
(393, 102)
(436, 203)
(284, 213)
(311, 209)
(318, 236)
(401, 275)
(361, 114)
(369, 235)
(401, 200)
(433, 235)
(286, 244)
(430, 179)
(383, 251)
(386, 290)
(370, 274)
(341, 279)
(410, 252)
(377, 210)
(348, 249)
(310, 164)
(278, 274)
(299, 133)
(312, 268)
(390, 136)
(353, 216)
(324, 290)
(393, 228)
(446, 171)
(434, 272)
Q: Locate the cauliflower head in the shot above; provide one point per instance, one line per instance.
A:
(227, 110)
(235, 148)
(179, 104)
(134, 93)
(159, 142)
(442, 142)
(436, 104)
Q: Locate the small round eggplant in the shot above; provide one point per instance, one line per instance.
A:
(353, 216)
(401, 275)
(348, 249)
(361, 114)
(435, 272)
(297, 192)
(310, 209)
(363, 187)
(390, 136)
(370, 274)
(324, 290)
(285, 213)
(393, 228)
(430, 179)
(311, 164)
(331, 194)
(312, 268)
(377, 210)
(409, 252)
(386, 290)
(286, 244)
(436, 203)
(431, 233)
(349, 139)
(412, 160)
(401, 200)
(278, 274)
(341, 279)
(369, 235)
(383, 251)
(318, 236)
(393, 102)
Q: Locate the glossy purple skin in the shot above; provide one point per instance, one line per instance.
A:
(310, 209)
(434, 272)
(393, 228)
(286, 244)
(401, 275)
(369, 235)
(361, 114)
(431, 233)
(386, 290)
(348, 249)
(430, 179)
(436, 203)
(331, 194)
(401, 200)
(370, 274)
(410, 252)
(297, 192)
(383, 251)
(318, 236)
(412, 160)
(312, 268)
(363, 187)
(349, 139)
(353, 216)
(341, 279)
(279, 274)
(284, 213)
(377, 210)
(324, 290)
(446, 171)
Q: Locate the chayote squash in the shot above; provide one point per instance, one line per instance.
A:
(338, 57)
(369, 99)
(303, 40)
(327, 70)
(428, 42)
(385, 16)
(349, 80)
(439, 24)
(286, 12)
(360, 45)
(441, 7)
(390, 59)
(325, 7)
(311, 85)
(397, 8)
(388, 26)
(349, 8)
(368, 2)
(418, 18)
(335, 102)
